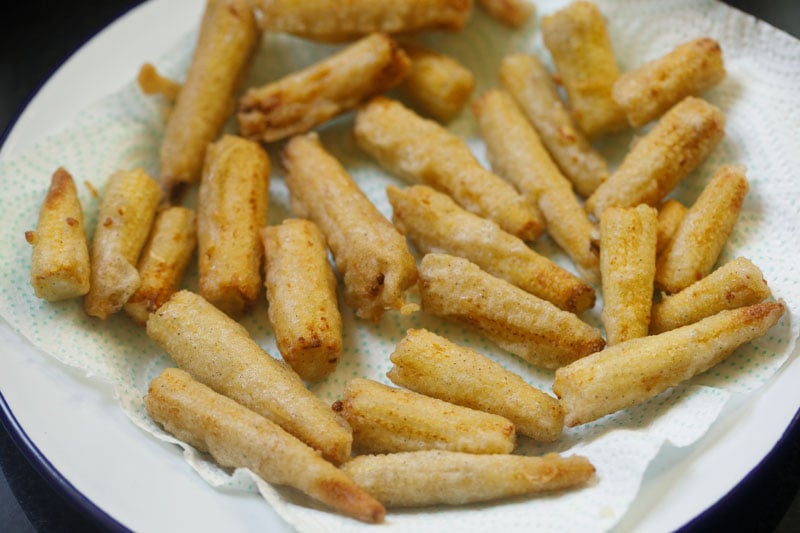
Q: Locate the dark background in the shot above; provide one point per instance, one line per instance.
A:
(36, 37)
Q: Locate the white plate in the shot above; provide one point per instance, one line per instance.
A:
(144, 485)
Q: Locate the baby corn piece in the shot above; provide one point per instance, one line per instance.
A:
(513, 13)
(370, 255)
(336, 21)
(678, 143)
(432, 477)
(735, 284)
(228, 37)
(432, 365)
(670, 216)
(698, 241)
(578, 40)
(435, 223)
(218, 351)
(231, 209)
(401, 141)
(301, 291)
(526, 79)
(638, 369)
(60, 256)
(531, 328)
(437, 84)
(124, 219)
(647, 92)
(304, 99)
(237, 437)
(517, 154)
(386, 419)
(151, 82)
(627, 269)
(164, 261)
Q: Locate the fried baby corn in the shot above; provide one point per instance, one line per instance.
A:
(336, 21)
(402, 142)
(432, 477)
(532, 88)
(435, 223)
(163, 261)
(228, 37)
(678, 143)
(60, 255)
(634, 371)
(301, 292)
(231, 210)
(531, 328)
(386, 419)
(304, 99)
(432, 365)
(237, 437)
(670, 215)
(513, 13)
(125, 216)
(370, 255)
(219, 352)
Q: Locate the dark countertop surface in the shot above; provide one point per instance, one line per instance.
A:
(36, 37)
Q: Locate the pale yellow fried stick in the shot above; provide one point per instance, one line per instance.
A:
(152, 82)
(432, 365)
(60, 254)
(527, 80)
(403, 143)
(578, 40)
(701, 236)
(735, 284)
(370, 254)
(337, 21)
(237, 437)
(527, 326)
(432, 477)
(301, 292)
(126, 213)
(647, 92)
(219, 352)
(634, 371)
(309, 97)
(517, 154)
(163, 261)
(435, 223)
(513, 13)
(231, 209)
(386, 419)
(227, 39)
(627, 268)
(670, 215)
(678, 143)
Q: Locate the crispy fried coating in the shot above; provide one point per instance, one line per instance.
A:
(237, 437)
(337, 21)
(301, 292)
(648, 91)
(435, 223)
(228, 37)
(163, 261)
(60, 254)
(432, 365)
(627, 268)
(386, 419)
(527, 326)
(432, 477)
(150, 81)
(219, 352)
(636, 370)
(670, 216)
(370, 254)
(531, 86)
(513, 13)
(422, 150)
(678, 143)
(231, 210)
(578, 40)
(701, 236)
(126, 213)
(304, 99)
